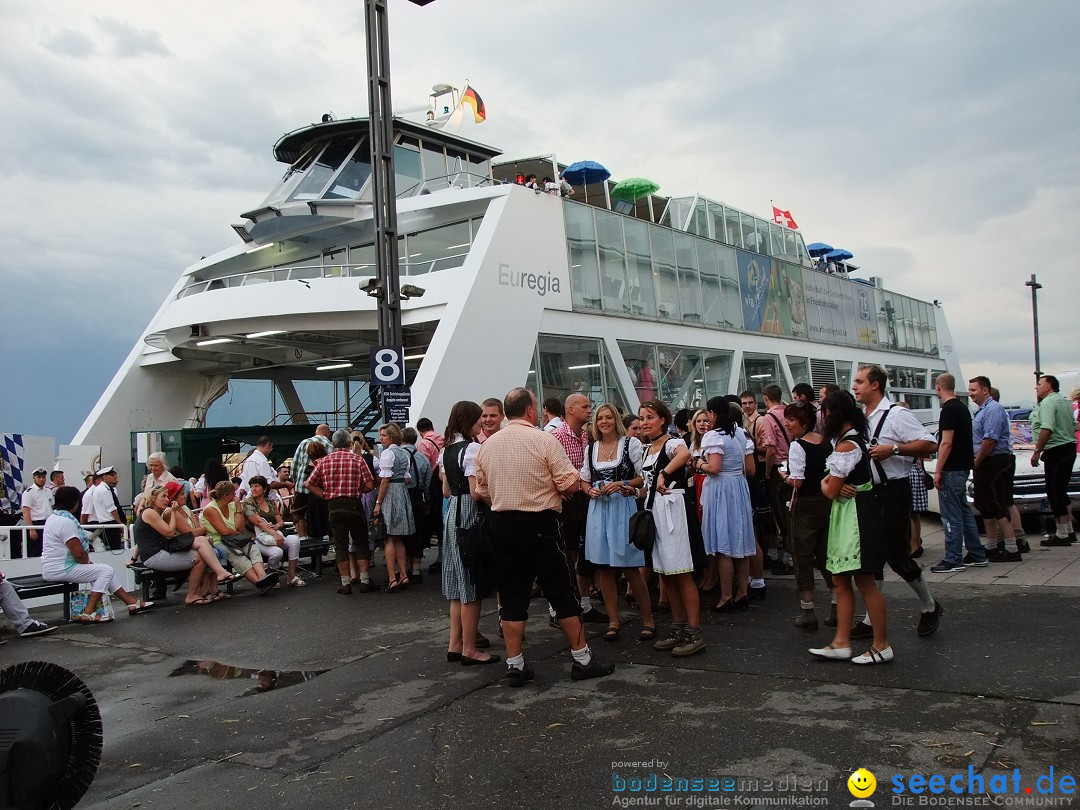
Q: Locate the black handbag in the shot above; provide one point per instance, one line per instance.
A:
(180, 543)
(238, 542)
(642, 522)
(376, 530)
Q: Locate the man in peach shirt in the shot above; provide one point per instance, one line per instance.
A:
(523, 473)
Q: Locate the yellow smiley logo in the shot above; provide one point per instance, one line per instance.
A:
(861, 783)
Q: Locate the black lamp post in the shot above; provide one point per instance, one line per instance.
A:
(1035, 287)
(384, 193)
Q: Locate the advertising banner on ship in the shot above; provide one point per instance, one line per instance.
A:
(839, 311)
(772, 295)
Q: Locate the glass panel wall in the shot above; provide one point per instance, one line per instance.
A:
(699, 222)
(327, 163)
(571, 365)
(843, 375)
(437, 249)
(639, 268)
(712, 305)
(682, 379)
(716, 222)
(689, 289)
(754, 238)
(584, 267)
(680, 376)
(433, 162)
(799, 368)
(640, 359)
(734, 228)
(758, 371)
(613, 286)
(667, 285)
(729, 286)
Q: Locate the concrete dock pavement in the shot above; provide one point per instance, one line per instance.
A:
(376, 717)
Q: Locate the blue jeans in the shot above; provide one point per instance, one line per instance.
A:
(956, 517)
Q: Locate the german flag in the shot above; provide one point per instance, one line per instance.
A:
(472, 98)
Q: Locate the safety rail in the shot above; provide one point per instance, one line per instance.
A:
(93, 530)
(311, 272)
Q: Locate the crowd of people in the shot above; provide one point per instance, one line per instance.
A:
(679, 509)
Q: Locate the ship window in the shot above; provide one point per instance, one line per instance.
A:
(571, 366)
(479, 170)
(362, 260)
(754, 239)
(438, 249)
(639, 268)
(319, 174)
(758, 371)
(716, 222)
(667, 285)
(699, 223)
(799, 368)
(790, 249)
(843, 375)
(609, 236)
(350, 181)
(717, 365)
(681, 378)
(689, 288)
(457, 168)
(711, 298)
(433, 159)
(407, 173)
(584, 268)
(729, 286)
(734, 229)
(640, 359)
(776, 240)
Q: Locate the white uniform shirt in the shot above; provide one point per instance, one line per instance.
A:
(39, 501)
(900, 427)
(553, 425)
(256, 464)
(98, 505)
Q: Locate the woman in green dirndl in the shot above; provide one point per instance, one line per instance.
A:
(856, 550)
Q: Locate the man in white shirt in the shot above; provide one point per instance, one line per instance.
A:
(36, 504)
(553, 414)
(102, 505)
(258, 464)
(897, 438)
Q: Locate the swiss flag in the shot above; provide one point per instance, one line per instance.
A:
(784, 218)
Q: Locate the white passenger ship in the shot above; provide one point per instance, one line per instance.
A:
(681, 297)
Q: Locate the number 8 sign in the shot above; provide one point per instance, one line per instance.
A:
(387, 365)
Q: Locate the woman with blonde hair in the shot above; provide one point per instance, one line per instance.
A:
(612, 471)
(392, 505)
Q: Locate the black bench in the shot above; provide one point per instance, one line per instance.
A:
(315, 548)
(147, 577)
(35, 585)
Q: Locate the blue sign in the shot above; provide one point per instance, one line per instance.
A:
(387, 365)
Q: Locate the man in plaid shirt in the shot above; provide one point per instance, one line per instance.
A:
(571, 435)
(341, 478)
(300, 470)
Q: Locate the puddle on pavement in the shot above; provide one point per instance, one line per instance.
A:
(263, 680)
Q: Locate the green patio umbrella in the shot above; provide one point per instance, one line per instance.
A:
(634, 188)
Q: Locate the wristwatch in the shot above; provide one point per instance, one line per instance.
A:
(896, 449)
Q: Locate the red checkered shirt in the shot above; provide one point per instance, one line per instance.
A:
(575, 444)
(342, 474)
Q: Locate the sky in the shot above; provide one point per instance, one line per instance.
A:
(936, 141)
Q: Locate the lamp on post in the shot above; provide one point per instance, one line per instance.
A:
(384, 193)
(1035, 287)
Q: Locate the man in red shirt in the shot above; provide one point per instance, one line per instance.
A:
(340, 479)
(491, 418)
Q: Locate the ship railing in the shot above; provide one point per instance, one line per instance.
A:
(456, 180)
(309, 272)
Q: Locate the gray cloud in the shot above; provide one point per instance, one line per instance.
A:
(129, 42)
(68, 43)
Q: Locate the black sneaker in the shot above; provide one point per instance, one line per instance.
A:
(594, 616)
(928, 622)
(435, 568)
(1054, 540)
(36, 628)
(1022, 545)
(862, 630)
(782, 569)
(519, 677)
(267, 583)
(946, 567)
(1003, 556)
(970, 561)
(594, 669)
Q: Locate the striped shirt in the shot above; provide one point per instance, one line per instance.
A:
(523, 469)
(301, 463)
(342, 474)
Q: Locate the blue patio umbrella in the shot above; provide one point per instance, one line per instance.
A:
(584, 172)
(840, 255)
(816, 249)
